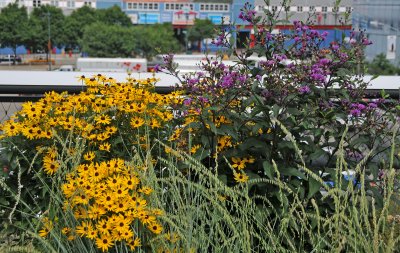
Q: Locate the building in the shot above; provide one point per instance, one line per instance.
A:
(381, 20)
(322, 15)
(182, 13)
(66, 5)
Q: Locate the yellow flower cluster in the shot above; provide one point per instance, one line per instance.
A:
(98, 115)
(107, 198)
(104, 193)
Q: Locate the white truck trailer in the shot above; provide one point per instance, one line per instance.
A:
(132, 65)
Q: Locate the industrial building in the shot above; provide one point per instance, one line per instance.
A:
(381, 21)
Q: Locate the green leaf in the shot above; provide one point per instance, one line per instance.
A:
(313, 187)
(268, 169)
(293, 172)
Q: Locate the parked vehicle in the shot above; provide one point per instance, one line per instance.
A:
(112, 64)
(10, 59)
(64, 68)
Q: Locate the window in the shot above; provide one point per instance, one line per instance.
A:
(145, 6)
(349, 9)
(36, 3)
(312, 8)
(54, 3)
(88, 3)
(175, 7)
(274, 8)
(324, 9)
(214, 7)
(299, 8)
(335, 9)
(70, 4)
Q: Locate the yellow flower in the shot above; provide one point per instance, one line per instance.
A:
(155, 228)
(104, 242)
(146, 190)
(195, 148)
(238, 163)
(103, 119)
(105, 147)
(176, 134)
(223, 142)
(51, 167)
(84, 228)
(240, 177)
(134, 243)
(154, 123)
(137, 122)
(148, 219)
(11, 128)
(104, 227)
(44, 232)
(89, 156)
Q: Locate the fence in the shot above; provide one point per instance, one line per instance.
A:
(12, 96)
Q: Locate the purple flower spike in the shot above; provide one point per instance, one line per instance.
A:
(157, 68)
(304, 90)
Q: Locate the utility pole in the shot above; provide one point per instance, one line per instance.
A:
(49, 46)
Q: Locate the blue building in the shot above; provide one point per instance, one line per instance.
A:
(180, 13)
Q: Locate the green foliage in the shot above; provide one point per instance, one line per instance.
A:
(75, 24)
(43, 16)
(202, 214)
(382, 66)
(154, 39)
(113, 16)
(14, 26)
(101, 40)
(202, 29)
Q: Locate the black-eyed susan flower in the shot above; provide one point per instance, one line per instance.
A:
(133, 244)
(155, 228)
(238, 163)
(137, 122)
(89, 156)
(240, 177)
(103, 119)
(104, 242)
(105, 147)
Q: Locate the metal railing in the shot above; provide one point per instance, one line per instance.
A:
(12, 96)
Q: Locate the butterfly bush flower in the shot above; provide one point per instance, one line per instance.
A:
(247, 14)
(304, 89)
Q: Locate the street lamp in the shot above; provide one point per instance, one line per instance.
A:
(49, 47)
(186, 12)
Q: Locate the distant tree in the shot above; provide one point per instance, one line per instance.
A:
(155, 39)
(40, 21)
(113, 16)
(382, 66)
(202, 29)
(75, 24)
(100, 40)
(14, 27)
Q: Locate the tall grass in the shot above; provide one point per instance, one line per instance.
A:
(203, 214)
